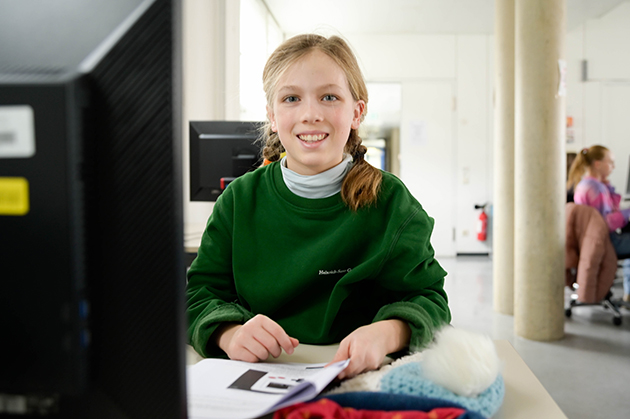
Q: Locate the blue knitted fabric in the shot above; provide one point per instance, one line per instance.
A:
(408, 379)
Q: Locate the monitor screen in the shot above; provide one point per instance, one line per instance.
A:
(221, 151)
(91, 296)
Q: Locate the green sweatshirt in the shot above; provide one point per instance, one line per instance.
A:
(314, 266)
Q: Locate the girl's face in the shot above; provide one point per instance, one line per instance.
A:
(605, 166)
(313, 112)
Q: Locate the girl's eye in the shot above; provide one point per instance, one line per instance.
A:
(330, 98)
(290, 99)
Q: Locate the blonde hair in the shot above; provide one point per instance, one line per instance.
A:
(362, 183)
(583, 161)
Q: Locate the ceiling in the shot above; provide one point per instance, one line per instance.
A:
(407, 16)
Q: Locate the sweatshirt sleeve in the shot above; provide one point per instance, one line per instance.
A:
(211, 297)
(411, 272)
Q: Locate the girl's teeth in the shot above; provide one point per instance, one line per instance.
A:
(312, 138)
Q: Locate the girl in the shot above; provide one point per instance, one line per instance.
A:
(319, 246)
(595, 190)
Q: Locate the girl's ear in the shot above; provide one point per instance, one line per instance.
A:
(272, 119)
(359, 108)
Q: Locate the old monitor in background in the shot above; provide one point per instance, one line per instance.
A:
(91, 235)
(221, 151)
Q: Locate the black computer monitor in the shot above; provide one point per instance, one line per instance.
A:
(221, 151)
(91, 224)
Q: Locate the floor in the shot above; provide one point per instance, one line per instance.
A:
(587, 372)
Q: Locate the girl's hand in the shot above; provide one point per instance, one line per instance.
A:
(255, 340)
(367, 346)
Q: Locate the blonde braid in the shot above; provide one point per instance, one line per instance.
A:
(362, 184)
(272, 147)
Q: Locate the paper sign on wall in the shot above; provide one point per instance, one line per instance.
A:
(417, 133)
(562, 83)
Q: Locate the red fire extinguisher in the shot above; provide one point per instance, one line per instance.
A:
(482, 223)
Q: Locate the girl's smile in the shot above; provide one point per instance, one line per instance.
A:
(312, 138)
(313, 113)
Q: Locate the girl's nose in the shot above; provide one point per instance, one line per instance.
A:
(312, 111)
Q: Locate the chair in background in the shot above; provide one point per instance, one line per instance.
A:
(619, 280)
(620, 264)
(590, 260)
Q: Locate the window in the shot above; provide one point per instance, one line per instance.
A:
(259, 37)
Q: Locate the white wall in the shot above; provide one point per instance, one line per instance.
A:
(474, 138)
(405, 57)
(600, 105)
(447, 91)
(606, 44)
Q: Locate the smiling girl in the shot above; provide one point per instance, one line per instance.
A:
(319, 246)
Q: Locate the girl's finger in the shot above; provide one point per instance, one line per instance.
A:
(280, 336)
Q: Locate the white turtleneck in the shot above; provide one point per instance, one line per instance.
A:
(321, 185)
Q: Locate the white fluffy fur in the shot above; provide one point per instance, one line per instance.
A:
(464, 362)
(371, 380)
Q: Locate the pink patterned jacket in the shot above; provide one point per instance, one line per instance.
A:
(603, 198)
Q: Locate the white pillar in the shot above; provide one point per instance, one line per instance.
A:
(503, 201)
(539, 170)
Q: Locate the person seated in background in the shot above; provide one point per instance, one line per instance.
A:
(589, 178)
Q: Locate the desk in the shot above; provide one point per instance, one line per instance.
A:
(192, 239)
(192, 236)
(525, 397)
